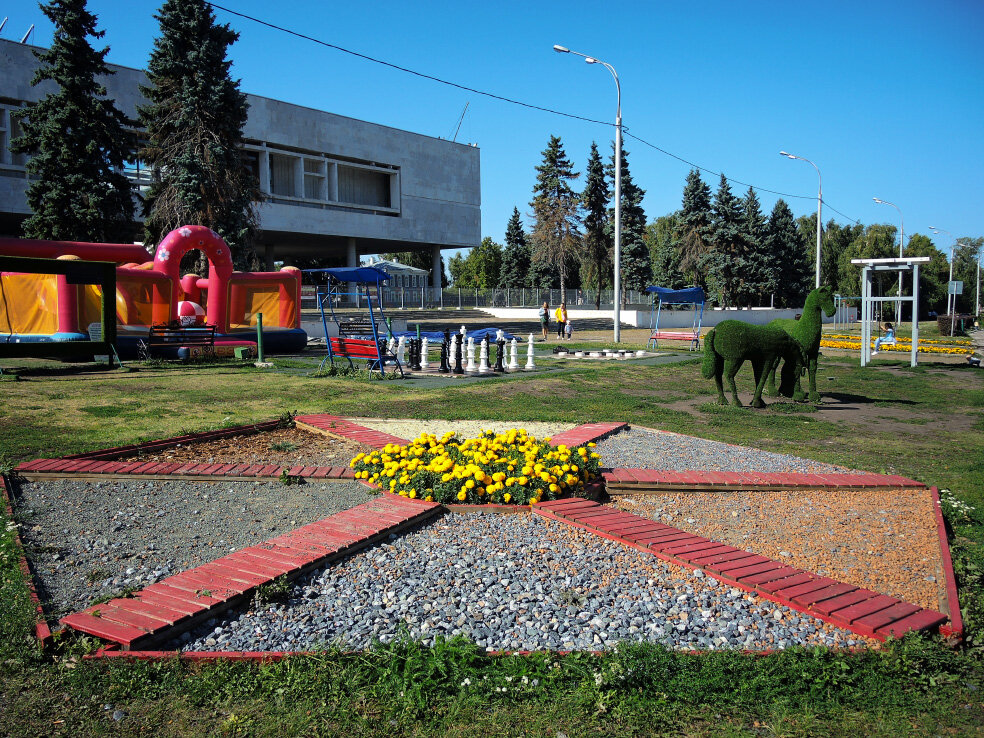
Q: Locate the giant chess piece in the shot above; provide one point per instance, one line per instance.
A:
(483, 357)
(530, 364)
(424, 362)
(470, 366)
(445, 354)
(500, 353)
(458, 369)
(514, 355)
(391, 347)
(401, 350)
(415, 354)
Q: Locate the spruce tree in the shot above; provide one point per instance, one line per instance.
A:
(556, 209)
(695, 225)
(726, 260)
(636, 269)
(76, 138)
(597, 238)
(194, 123)
(516, 255)
(788, 264)
(664, 251)
(753, 234)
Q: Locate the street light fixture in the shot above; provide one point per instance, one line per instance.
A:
(898, 305)
(819, 203)
(618, 182)
(949, 297)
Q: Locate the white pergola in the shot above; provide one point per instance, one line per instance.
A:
(901, 266)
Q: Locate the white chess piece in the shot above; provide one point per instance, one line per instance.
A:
(391, 346)
(514, 355)
(470, 366)
(463, 333)
(483, 359)
(530, 365)
(424, 364)
(401, 347)
(500, 334)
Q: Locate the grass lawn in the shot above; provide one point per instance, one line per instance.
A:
(926, 423)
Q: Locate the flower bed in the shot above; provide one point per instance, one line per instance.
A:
(902, 347)
(506, 468)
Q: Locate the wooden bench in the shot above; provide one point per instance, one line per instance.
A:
(356, 327)
(693, 337)
(374, 354)
(168, 339)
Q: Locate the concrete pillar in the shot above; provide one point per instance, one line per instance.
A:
(436, 267)
(351, 253)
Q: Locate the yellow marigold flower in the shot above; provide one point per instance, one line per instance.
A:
(592, 444)
(565, 467)
(510, 481)
(462, 495)
(470, 484)
(595, 455)
(506, 497)
(429, 498)
(554, 488)
(523, 480)
(412, 494)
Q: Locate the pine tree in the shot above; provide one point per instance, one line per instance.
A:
(788, 264)
(516, 255)
(637, 271)
(753, 234)
(726, 259)
(194, 123)
(695, 226)
(76, 138)
(664, 251)
(597, 239)
(556, 208)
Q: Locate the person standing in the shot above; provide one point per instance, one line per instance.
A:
(544, 319)
(561, 315)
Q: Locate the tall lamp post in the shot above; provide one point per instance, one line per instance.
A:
(949, 297)
(618, 182)
(819, 203)
(898, 305)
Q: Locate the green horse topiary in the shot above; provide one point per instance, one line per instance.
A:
(806, 331)
(732, 342)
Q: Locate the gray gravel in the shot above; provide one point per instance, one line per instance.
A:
(88, 540)
(510, 582)
(639, 448)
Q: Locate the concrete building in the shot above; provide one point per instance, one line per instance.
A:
(332, 187)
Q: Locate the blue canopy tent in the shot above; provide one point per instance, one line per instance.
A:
(687, 296)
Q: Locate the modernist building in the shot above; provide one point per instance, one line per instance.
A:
(332, 187)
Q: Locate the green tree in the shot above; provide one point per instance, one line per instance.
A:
(753, 232)
(556, 210)
(419, 260)
(637, 272)
(597, 238)
(664, 251)
(726, 259)
(516, 255)
(480, 268)
(965, 270)
(877, 241)
(788, 264)
(932, 276)
(194, 123)
(76, 138)
(836, 240)
(695, 227)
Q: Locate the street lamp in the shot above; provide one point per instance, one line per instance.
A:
(819, 203)
(898, 305)
(949, 297)
(618, 181)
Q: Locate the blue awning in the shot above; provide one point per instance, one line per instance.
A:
(363, 275)
(693, 295)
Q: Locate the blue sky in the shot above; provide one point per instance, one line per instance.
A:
(886, 97)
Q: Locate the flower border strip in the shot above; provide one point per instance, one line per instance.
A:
(953, 631)
(41, 630)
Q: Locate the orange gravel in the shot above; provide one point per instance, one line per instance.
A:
(284, 446)
(883, 541)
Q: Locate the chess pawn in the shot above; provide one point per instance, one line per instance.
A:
(470, 366)
(391, 346)
(424, 363)
(401, 350)
(514, 355)
(458, 369)
(483, 357)
(500, 355)
(530, 365)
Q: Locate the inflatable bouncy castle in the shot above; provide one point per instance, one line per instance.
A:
(48, 307)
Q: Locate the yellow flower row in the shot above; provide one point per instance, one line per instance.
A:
(512, 467)
(856, 345)
(931, 341)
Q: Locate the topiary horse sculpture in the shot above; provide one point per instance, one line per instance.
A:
(806, 331)
(732, 342)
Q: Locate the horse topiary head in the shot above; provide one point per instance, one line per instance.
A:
(822, 298)
(795, 363)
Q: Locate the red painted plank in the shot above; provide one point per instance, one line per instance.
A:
(870, 624)
(922, 620)
(831, 606)
(163, 613)
(727, 553)
(133, 619)
(762, 573)
(185, 591)
(819, 595)
(727, 567)
(248, 562)
(774, 585)
(659, 541)
(172, 603)
(214, 583)
(682, 549)
(111, 631)
(218, 569)
(789, 592)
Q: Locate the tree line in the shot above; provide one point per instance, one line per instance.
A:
(718, 241)
(80, 142)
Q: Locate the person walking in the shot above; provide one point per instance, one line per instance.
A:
(544, 319)
(561, 315)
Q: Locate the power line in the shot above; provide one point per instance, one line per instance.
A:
(502, 98)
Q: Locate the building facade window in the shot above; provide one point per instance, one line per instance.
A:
(9, 130)
(363, 187)
(282, 178)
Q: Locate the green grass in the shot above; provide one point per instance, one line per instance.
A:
(915, 687)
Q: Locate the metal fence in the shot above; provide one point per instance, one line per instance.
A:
(432, 298)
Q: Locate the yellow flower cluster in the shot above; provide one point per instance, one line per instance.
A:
(931, 341)
(855, 344)
(512, 468)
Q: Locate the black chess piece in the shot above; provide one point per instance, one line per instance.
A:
(458, 368)
(415, 354)
(445, 353)
(500, 350)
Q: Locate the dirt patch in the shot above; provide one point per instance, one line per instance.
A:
(883, 541)
(284, 446)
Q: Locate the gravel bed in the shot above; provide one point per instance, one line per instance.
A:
(410, 429)
(641, 448)
(88, 540)
(511, 582)
(883, 541)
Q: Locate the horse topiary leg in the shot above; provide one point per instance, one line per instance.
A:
(814, 395)
(759, 369)
(731, 367)
(772, 390)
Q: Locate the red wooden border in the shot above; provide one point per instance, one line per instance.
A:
(41, 630)
(954, 629)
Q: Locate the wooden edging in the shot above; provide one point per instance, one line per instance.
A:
(953, 631)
